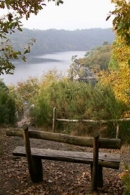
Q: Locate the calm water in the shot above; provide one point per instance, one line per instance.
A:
(36, 66)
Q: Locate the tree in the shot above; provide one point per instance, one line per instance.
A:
(79, 72)
(119, 71)
(120, 64)
(9, 23)
(121, 21)
(113, 64)
(98, 58)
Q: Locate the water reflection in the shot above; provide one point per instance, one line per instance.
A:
(35, 66)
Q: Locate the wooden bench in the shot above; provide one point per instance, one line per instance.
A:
(96, 159)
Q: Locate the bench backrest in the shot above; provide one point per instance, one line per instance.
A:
(74, 140)
(95, 142)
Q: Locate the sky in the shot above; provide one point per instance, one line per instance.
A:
(72, 15)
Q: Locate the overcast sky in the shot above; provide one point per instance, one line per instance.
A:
(73, 14)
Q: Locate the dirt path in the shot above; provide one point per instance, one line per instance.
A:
(60, 178)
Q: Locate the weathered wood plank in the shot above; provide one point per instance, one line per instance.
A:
(95, 162)
(75, 140)
(105, 159)
(54, 119)
(92, 121)
(34, 164)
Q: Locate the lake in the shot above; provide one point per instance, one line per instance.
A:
(37, 65)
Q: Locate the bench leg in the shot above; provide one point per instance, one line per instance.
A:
(36, 170)
(34, 163)
(100, 176)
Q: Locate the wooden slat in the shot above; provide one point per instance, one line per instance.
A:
(95, 162)
(34, 164)
(105, 159)
(75, 140)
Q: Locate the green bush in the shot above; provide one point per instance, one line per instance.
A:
(7, 106)
(124, 132)
(24, 94)
(75, 100)
(125, 176)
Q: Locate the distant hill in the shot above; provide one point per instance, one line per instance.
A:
(52, 40)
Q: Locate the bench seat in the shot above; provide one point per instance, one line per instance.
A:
(109, 160)
(97, 159)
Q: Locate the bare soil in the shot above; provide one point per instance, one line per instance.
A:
(59, 178)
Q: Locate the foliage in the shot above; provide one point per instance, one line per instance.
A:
(103, 104)
(124, 132)
(42, 112)
(8, 54)
(125, 176)
(97, 58)
(3, 86)
(113, 64)
(9, 24)
(121, 51)
(120, 62)
(79, 72)
(24, 93)
(11, 21)
(7, 106)
(73, 100)
(121, 21)
(118, 78)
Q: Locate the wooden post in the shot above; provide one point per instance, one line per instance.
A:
(117, 130)
(95, 163)
(54, 120)
(34, 163)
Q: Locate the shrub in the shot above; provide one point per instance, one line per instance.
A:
(125, 176)
(7, 106)
(124, 132)
(24, 94)
(75, 100)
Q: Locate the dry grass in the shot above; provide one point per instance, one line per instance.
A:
(125, 149)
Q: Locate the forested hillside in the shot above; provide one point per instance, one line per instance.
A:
(49, 41)
(97, 58)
